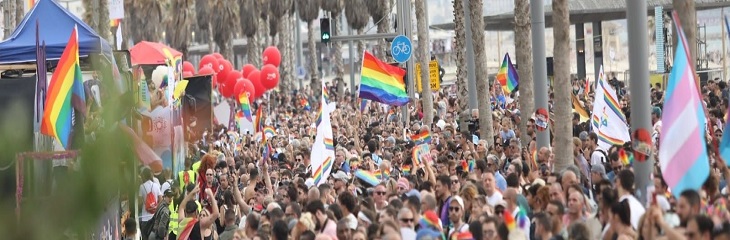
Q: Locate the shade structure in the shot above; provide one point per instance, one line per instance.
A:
(151, 53)
(55, 26)
(146, 155)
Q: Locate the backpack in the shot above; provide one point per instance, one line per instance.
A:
(150, 202)
(604, 159)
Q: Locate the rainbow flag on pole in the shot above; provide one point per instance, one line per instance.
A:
(422, 138)
(258, 125)
(317, 176)
(381, 82)
(245, 106)
(507, 75)
(65, 93)
(683, 155)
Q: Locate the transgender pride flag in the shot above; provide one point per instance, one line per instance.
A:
(683, 152)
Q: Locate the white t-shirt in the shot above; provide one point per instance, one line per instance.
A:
(597, 157)
(637, 210)
(145, 188)
(495, 198)
(166, 185)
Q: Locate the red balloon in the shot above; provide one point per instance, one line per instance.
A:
(255, 79)
(208, 71)
(210, 61)
(271, 56)
(247, 69)
(218, 56)
(243, 86)
(226, 69)
(187, 74)
(269, 76)
(188, 67)
(226, 89)
(232, 78)
(248, 88)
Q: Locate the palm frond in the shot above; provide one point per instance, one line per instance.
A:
(356, 17)
(333, 6)
(308, 9)
(248, 17)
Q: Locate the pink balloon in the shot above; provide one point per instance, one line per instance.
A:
(247, 69)
(255, 79)
(209, 61)
(226, 68)
(269, 76)
(271, 56)
(188, 67)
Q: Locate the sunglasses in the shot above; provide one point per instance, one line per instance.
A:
(454, 209)
(406, 220)
(209, 174)
(380, 193)
(454, 181)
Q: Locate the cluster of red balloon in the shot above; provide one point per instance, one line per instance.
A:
(233, 83)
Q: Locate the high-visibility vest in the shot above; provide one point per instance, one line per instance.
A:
(174, 215)
(196, 166)
(191, 175)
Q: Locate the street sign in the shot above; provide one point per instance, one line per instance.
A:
(301, 72)
(400, 48)
(433, 76)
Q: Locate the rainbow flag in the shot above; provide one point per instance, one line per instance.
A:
(329, 144)
(578, 108)
(626, 157)
(382, 82)
(507, 75)
(509, 220)
(65, 93)
(317, 176)
(326, 94)
(683, 155)
(472, 163)
(363, 104)
(319, 117)
(382, 174)
(257, 124)
(406, 170)
(186, 227)
(267, 152)
(245, 106)
(367, 177)
(422, 138)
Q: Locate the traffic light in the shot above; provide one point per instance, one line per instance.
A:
(324, 27)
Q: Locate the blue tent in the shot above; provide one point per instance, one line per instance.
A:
(56, 24)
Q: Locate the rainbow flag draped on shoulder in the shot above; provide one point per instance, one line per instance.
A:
(65, 93)
(683, 155)
(323, 151)
(382, 82)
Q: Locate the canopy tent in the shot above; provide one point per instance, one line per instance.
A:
(152, 53)
(56, 24)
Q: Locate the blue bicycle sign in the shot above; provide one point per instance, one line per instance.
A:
(400, 48)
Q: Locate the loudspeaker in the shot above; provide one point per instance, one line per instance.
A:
(197, 106)
(549, 62)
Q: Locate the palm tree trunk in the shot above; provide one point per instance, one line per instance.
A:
(313, 59)
(360, 50)
(384, 26)
(291, 48)
(480, 54)
(20, 11)
(252, 54)
(563, 116)
(337, 51)
(283, 39)
(462, 80)
(688, 17)
(8, 18)
(423, 59)
(211, 42)
(523, 49)
(103, 28)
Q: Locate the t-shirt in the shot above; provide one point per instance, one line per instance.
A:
(145, 188)
(637, 210)
(598, 157)
(494, 199)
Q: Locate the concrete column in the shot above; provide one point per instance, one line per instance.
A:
(539, 73)
(580, 53)
(597, 48)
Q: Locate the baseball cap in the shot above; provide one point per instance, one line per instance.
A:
(340, 175)
(169, 193)
(583, 135)
(458, 200)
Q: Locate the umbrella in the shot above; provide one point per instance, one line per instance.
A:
(152, 53)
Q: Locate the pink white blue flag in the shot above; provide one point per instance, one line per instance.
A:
(683, 150)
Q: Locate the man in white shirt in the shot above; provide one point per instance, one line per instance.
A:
(625, 186)
(598, 155)
(510, 196)
(149, 186)
(493, 196)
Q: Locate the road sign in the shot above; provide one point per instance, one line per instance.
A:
(301, 72)
(400, 48)
(433, 76)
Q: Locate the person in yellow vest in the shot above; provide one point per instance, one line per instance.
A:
(174, 224)
(187, 175)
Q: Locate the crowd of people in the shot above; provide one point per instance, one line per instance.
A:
(470, 189)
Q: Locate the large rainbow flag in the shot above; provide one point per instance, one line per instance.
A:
(507, 75)
(683, 155)
(65, 93)
(607, 120)
(322, 153)
(381, 82)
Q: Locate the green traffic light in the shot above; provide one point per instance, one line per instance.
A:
(325, 36)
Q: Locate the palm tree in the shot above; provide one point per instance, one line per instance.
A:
(687, 16)
(141, 24)
(264, 32)
(8, 18)
(460, 48)
(279, 10)
(482, 77)
(180, 21)
(379, 11)
(423, 59)
(335, 9)
(248, 17)
(308, 12)
(20, 11)
(357, 18)
(204, 34)
(523, 49)
(563, 115)
(222, 22)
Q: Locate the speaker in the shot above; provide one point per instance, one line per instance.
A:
(549, 62)
(197, 106)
